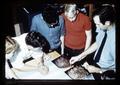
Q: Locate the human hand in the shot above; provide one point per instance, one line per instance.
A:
(74, 59)
(43, 69)
(93, 69)
(85, 65)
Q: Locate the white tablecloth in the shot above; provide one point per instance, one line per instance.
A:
(54, 73)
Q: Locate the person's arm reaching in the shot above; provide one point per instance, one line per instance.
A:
(62, 34)
(62, 44)
(90, 50)
(94, 69)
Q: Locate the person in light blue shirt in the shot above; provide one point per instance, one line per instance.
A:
(105, 22)
(107, 58)
(51, 26)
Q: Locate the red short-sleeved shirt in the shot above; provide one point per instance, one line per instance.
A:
(75, 36)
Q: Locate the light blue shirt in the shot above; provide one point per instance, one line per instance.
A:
(108, 56)
(51, 34)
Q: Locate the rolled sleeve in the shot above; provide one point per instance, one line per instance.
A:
(87, 24)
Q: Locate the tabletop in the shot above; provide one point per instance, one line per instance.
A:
(54, 73)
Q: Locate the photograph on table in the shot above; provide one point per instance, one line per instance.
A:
(61, 62)
(77, 72)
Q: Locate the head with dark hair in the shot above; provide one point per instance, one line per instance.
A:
(106, 13)
(35, 39)
(50, 14)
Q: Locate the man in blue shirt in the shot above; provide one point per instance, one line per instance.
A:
(51, 26)
(105, 23)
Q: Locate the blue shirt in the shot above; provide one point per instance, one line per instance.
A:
(108, 57)
(51, 34)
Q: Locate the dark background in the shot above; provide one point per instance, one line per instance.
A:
(15, 13)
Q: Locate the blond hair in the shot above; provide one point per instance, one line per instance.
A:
(10, 45)
(67, 6)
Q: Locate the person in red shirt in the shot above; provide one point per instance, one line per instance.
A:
(77, 31)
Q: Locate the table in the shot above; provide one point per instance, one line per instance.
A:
(54, 72)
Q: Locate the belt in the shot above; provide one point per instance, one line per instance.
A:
(51, 50)
(77, 50)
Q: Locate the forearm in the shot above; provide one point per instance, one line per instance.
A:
(31, 65)
(106, 69)
(62, 44)
(90, 50)
(102, 70)
(26, 68)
